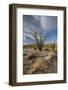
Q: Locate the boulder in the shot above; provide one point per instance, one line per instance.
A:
(38, 65)
(51, 53)
(32, 55)
(43, 53)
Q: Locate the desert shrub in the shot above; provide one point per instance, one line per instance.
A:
(38, 39)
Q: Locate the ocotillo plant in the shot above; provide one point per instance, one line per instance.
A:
(38, 39)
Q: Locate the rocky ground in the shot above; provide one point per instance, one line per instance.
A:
(38, 62)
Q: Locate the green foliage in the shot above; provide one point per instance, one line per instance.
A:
(39, 40)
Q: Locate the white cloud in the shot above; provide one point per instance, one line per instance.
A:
(48, 22)
(28, 35)
(37, 17)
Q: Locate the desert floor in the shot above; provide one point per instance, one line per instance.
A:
(39, 62)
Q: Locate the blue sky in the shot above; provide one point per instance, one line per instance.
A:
(47, 25)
